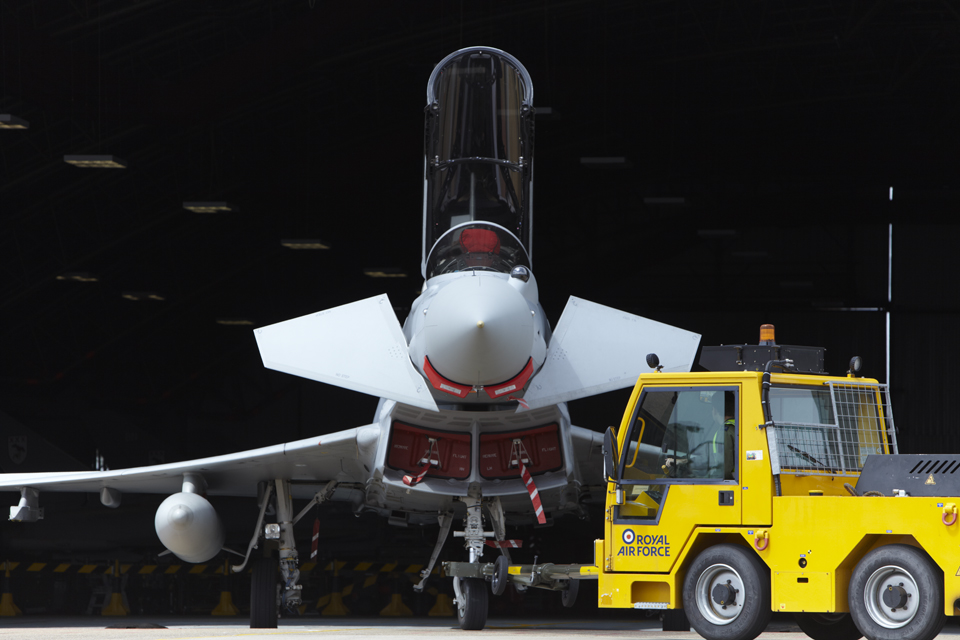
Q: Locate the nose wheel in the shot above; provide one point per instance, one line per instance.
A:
(472, 603)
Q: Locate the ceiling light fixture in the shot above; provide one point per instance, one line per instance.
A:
(385, 272)
(210, 207)
(141, 295)
(234, 322)
(78, 276)
(546, 113)
(8, 121)
(605, 162)
(305, 244)
(96, 162)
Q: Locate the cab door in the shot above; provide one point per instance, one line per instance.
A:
(678, 470)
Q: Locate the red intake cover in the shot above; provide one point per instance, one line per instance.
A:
(542, 445)
(408, 445)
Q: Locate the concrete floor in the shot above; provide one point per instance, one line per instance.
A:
(90, 628)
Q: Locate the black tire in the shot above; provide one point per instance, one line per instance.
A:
(263, 593)
(499, 580)
(889, 577)
(726, 594)
(828, 626)
(569, 595)
(472, 611)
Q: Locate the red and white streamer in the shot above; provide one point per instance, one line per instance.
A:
(411, 480)
(316, 539)
(504, 544)
(521, 401)
(519, 457)
(430, 459)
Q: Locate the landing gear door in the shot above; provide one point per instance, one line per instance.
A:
(678, 470)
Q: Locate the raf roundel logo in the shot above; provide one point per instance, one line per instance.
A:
(628, 536)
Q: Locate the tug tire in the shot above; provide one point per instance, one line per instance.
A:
(896, 593)
(726, 594)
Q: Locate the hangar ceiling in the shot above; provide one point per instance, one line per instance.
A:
(760, 143)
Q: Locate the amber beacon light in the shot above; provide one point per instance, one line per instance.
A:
(766, 335)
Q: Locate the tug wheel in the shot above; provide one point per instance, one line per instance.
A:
(896, 593)
(498, 582)
(726, 593)
(472, 604)
(263, 593)
(828, 626)
(569, 595)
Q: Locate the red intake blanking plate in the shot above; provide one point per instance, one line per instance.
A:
(409, 444)
(542, 444)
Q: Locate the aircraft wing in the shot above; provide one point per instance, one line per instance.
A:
(595, 349)
(588, 449)
(343, 456)
(357, 346)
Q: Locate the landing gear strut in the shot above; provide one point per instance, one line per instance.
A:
(266, 595)
(289, 572)
(472, 600)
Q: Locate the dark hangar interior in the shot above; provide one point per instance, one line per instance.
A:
(715, 166)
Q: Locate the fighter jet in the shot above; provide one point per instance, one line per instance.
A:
(472, 424)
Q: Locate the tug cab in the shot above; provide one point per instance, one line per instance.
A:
(795, 500)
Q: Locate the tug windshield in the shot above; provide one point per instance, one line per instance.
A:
(478, 145)
(476, 247)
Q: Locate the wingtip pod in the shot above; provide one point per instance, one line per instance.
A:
(596, 349)
(358, 346)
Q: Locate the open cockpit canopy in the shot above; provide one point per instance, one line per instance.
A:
(478, 147)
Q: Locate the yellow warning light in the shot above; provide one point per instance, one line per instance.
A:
(766, 334)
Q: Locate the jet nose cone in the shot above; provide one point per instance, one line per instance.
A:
(478, 330)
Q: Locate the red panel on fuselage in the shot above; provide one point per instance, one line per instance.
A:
(408, 445)
(542, 445)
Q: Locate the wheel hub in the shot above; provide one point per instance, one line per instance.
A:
(717, 594)
(724, 594)
(888, 597)
(895, 597)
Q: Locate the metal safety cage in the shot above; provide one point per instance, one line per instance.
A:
(829, 431)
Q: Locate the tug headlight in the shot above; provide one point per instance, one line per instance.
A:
(856, 363)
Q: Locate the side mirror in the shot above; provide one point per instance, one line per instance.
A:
(610, 455)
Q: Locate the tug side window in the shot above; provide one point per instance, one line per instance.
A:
(686, 435)
(682, 434)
